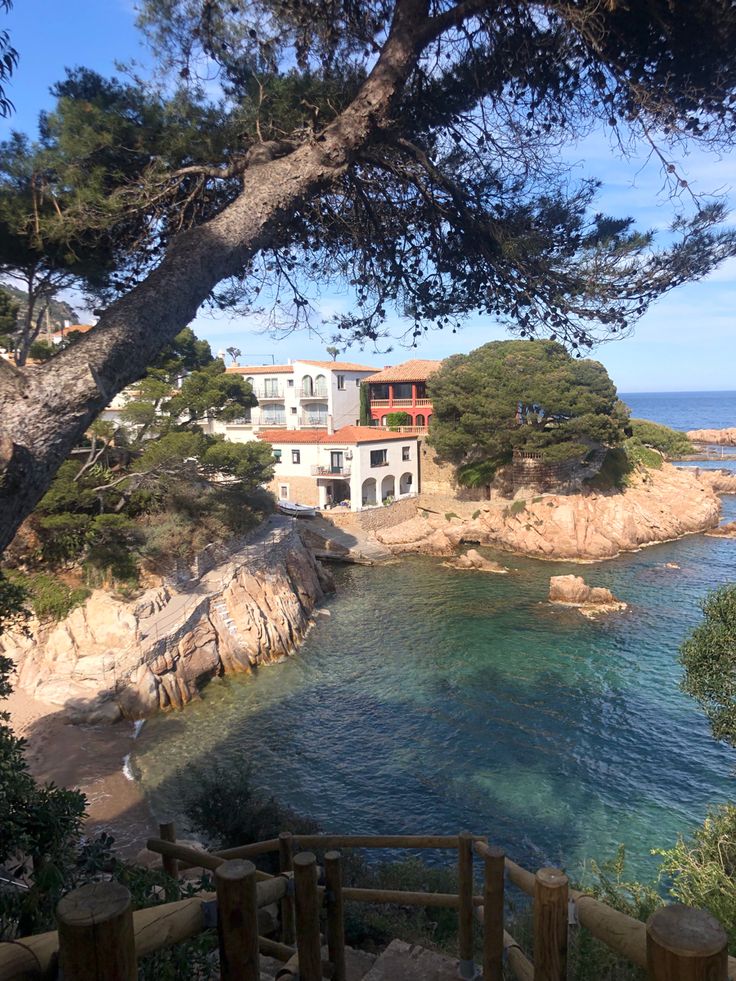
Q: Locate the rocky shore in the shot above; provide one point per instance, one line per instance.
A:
(111, 659)
(717, 437)
(660, 505)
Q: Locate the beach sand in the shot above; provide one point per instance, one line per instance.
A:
(89, 758)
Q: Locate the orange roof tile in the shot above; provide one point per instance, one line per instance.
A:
(338, 365)
(348, 434)
(65, 331)
(409, 371)
(291, 435)
(261, 369)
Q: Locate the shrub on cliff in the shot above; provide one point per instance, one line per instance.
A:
(670, 442)
(527, 395)
(709, 658)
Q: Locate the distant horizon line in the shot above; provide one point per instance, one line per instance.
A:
(678, 391)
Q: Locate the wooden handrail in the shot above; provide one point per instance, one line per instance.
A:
(375, 841)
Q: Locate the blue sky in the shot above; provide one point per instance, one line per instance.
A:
(686, 342)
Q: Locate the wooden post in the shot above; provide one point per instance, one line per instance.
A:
(286, 864)
(237, 920)
(465, 911)
(335, 914)
(550, 925)
(494, 863)
(167, 832)
(306, 900)
(685, 944)
(96, 939)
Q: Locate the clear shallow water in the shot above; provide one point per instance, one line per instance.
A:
(437, 700)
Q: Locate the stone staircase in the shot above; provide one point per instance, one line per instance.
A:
(399, 962)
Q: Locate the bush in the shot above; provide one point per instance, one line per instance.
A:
(668, 441)
(396, 419)
(614, 471)
(563, 452)
(49, 597)
(517, 507)
(642, 456)
(41, 351)
(63, 536)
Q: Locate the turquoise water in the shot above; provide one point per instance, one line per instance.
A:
(437, 700)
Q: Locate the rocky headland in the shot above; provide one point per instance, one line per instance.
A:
(659, 505)
(723, 531)
(111, 659)
(718, 437)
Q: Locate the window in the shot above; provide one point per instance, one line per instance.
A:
(405, 451)
(295, 456)
(284, 491)
(357, 382)
(290, 383)
(277, 456)
(378, 458)
(341, 383)
(293, 410)
(270, 387)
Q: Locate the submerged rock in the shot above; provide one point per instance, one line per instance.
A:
(590, 600)
(724, 531)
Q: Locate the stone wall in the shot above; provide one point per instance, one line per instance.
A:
(302, 490)
(373, 519)
(439, 478)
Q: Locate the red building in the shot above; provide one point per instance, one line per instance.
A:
(402, 388)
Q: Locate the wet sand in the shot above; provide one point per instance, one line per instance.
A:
(88, 758)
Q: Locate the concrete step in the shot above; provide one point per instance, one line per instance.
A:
(408, 962)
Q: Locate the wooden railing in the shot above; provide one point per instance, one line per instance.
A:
(100, 938)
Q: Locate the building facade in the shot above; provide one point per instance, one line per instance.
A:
(295, 396)
(353, 467)
(402, 388)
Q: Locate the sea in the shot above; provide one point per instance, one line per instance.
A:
(432, 700)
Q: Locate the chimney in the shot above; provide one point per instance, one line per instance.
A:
(330, 425)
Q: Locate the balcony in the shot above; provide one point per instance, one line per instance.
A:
(400, 403)
(269, 394)
(331, 471)
(318, 392)
(313, 420)
(278, 423)
(409, 430)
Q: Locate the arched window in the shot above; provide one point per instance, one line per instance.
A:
(307, 385)
(320, 386)
(419, 420)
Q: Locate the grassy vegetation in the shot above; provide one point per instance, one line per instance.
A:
(670, 442)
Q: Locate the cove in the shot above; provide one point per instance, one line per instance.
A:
(435, 700)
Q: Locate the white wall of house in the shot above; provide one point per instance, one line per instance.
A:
(373, 482)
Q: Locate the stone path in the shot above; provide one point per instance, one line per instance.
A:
(328, 541)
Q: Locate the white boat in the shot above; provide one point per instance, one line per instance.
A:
(297, 510)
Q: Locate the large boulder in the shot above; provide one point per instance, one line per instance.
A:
(590, 600)
(473, 560)
(721, 437)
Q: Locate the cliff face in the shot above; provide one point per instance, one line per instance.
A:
(109, 658)
(663, 505)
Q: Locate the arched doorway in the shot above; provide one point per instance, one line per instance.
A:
(320, 386)
(368, 492)
(419, 420)
(405, 483)
(388, 487)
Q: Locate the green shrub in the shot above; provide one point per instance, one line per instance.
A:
(49, 597)
(396, 419)
(63, 536)
(41, 351)
(449, 515)
(475, 514)
(643, 456)
(563, 452)
(517, 507)
(668, 441)
(614, 471)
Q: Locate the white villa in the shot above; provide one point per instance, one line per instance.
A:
(353, 467)
(298, 395)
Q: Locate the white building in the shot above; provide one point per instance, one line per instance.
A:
(355, 466)
(298, 395)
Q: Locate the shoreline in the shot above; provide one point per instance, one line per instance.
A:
(89, 758)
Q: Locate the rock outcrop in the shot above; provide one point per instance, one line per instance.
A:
(659, 506)
(110, 658)
(723, 531)
(721, 481)
(721, 437)
(473, 560)
(590, 600)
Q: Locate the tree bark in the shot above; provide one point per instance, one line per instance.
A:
(45, 410)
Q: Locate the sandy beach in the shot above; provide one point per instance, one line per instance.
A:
(89, 758)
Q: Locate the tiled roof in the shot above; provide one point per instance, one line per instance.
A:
(338, 365)
(409, 371)
(79, 328)
(261, 369)
(348, 434)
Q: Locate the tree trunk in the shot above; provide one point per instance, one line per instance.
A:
(45, 410)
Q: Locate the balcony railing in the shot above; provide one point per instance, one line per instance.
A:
(266, 394)
(400, 403)
(316, 393)
(239, 422)
(330, 471)
(279, 423)
(409, 430)
(314, 420)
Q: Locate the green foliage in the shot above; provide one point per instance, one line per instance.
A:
(50, 597)
(450, 515)
(8, 318)
(517, 507)
(670, 442)
(365, 406)
(211, 390)
(709, 658)
(614, 472)
(396, 419)
(701, 869)
(63, 536)
(251, 463)
(41, 351)
(642, 456)
(522, 395)
(475, 515)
